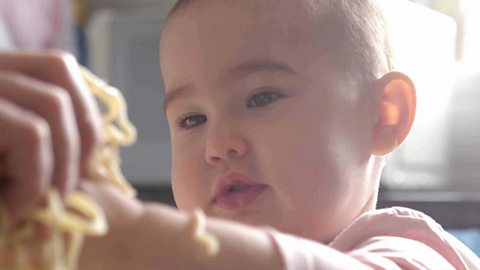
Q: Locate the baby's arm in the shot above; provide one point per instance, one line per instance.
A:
(154, 236)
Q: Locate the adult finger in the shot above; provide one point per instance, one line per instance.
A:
(26, 158)
(62, 69)
(53, 104)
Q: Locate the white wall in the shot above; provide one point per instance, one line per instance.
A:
(124, 50)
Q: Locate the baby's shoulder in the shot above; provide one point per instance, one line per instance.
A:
(398, 221)
(405, 231)
(394, 221)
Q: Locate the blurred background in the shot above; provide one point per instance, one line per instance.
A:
(436, 42)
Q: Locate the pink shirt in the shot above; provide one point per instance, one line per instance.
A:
(392, 238)
(38, 24)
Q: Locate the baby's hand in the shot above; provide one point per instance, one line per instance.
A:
(49, 127)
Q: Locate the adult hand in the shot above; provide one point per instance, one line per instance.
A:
(49, 127)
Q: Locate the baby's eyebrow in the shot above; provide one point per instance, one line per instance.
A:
(259, 65)
(176, 93)
(237, 72)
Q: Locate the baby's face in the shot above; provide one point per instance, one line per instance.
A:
(262, 131)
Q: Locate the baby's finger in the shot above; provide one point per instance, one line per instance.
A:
(26, 158)
(62, 69)
(53, 104)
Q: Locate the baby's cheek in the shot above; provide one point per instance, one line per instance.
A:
(180, 192)
(186, 186)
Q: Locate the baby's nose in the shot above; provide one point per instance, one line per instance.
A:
(225, 143)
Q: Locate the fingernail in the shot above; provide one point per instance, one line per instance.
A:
(6, 217)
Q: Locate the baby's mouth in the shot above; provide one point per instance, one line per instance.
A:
(234, 191)
(238, 187)
(238, 196)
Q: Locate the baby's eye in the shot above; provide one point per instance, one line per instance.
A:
(192, 121)
(263, 99)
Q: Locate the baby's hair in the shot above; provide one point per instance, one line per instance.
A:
(354, 31)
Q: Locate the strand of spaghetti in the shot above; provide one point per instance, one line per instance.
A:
(74, 248)
(117, 108)
(200, 235)
(100, 89)
(106, 167)
(107, 162)
(68, 221)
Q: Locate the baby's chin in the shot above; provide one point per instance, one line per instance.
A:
(252, 218)
(319, 231)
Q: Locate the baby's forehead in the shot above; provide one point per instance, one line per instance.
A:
(256, 11)
(294, 21)
(272, 22)
(254, 30)
(354, 44)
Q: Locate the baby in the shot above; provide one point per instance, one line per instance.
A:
(281, 116)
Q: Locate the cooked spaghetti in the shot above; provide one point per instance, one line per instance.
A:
(200, 234)
(70, 220)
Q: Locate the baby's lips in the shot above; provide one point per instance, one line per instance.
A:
(229, 180)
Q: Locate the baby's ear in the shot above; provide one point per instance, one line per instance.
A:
(396, 112)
